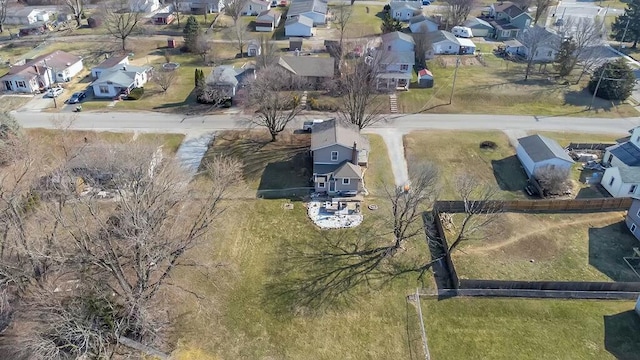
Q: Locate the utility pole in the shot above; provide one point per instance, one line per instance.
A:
(624, 34)
(51, 81)
(593, 98)
(455, 75)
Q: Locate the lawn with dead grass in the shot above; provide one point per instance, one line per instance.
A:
(459, 152)
(506, 329)
(497, 86)
(555, 247)
(10, 103)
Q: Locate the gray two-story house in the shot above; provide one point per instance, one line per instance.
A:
(339, 154)
(508, 20)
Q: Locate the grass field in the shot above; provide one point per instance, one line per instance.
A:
(457, 152)
(498, 87)
(10, 103)
(505, 329)
(559, 247)
(565, 138)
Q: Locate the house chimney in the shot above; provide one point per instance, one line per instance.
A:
(354, 154)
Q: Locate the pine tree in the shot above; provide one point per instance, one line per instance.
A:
(390, 24)
(617, 80)
(191, 32)
(630, 21)
(566, 58)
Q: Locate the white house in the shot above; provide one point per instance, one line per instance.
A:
(255, 7)
(120, 79)
(25, 16)
(443, 42)
(42, 72)
(467, 47)
(397, 41)
(405, 10)
(543, 40)
(622, 176)
(268, 20)
(538, 152)
(313, 9)
(201, 6)
(144, 6)
(109, 63)
(422, 24)
(299, 26)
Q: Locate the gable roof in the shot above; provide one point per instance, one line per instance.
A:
(466, 42)
(348, 170)
(268, 15)
(421, 18)
(540, 148)
(57, 60)
(122, 75)
(299, 19)
(298, 7)
(337, 132)
(397, 35)
(400, 4)
(397, 57)
(477, 22)
(111, 61)
(308, 65)
(627, 153)
(222, 75)
(442, 35)
(509, 8)
(424, 73)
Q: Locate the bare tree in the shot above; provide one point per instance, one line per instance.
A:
(165, 79)
(276, 96)
(202, 47)
(176, 9)
(534, 38)
(423, 45)
(458, 11)
(75, 7)
(341, 18)
(239, 33)
(586, 35)
(120, 22)
(553, 180)
(523, 4)
(3, 13)
(591, 58)
(362, 104)
(541, 7)
(268, 55)
(234, 8)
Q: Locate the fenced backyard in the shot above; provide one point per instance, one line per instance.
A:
(541, 206)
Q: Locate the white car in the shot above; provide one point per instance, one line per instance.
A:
(54, 92)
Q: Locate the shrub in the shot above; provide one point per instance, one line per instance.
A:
(315, 104)
(135, 94)
(94, 22)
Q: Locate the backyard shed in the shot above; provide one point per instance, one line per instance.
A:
(295, 44)
(538, 151)
(467, 47)
(425, 78)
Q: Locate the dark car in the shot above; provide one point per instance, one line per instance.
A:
(77, 97)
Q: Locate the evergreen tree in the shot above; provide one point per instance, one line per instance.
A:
(617, 80)
(566, 58)
(191, 32)
(630, 21)
(390, 24)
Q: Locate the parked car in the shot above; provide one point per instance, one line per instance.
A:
(54, 92)
(308, 125)
(77, 97)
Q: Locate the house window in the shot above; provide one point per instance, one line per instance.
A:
(321, 185)
(21, 84)
(404, 67)
(550, 53)
(638, 213)
(632, 189)
(389, 48)
(610, 158)
(346, 181)
(633, 228)
(505, 33)
(611, 181)
(334, 156)
(104, 89)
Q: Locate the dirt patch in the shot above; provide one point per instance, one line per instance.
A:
(534, 247)
(446, 61)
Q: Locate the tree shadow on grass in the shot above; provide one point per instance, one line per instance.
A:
(607, 247)
(584, 97)
(621, 334)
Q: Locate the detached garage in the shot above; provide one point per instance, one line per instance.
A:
(537, 151)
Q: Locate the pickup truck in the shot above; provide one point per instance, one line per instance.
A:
(308, 125)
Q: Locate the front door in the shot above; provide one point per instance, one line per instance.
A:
(332, 186)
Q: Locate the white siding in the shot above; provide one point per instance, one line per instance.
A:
(112, 92)
(613, 187)
(480, 32)
(558, 163)
(403, 14)
(318, 18)
(264, 28)
(525, 160)
(445, 47)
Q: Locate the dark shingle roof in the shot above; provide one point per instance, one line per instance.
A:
(308, 65)
(628, 153)
(298, 7)
(397, 35)
(540, 148)
(333, 132)
(111, 61)
(508, 8)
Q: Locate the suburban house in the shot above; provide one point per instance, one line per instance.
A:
(144, 6)
(254, 48)
(201, 6)
(405, 10)
(163, 18)
(395, 59)
(120, 80)
(311, 69)
(268, 20)
(255, 7)
(25, 16)
(479, 27)
(316, 10)
(339, 153)
(537, 152)
(444, 42)
(397, 41)
(40, 73)
(508, 20)
(226, 79)
(109, 63)
(299, 26)
(622, 161)
(633, 217)
(422, 24)
(546, 40)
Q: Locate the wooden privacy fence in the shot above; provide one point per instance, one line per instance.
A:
(554, 205)
(588, 146)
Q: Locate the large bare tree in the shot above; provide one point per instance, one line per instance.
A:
(3, 13)
(165, 79)
(458, 11)
(268, 55)
(361, 102)
(75, 7)
(120, 22)
(586, 35)
(541, 7)
(234, 8)
(275, 95)
(423, 45)
(239, 33)
(341, 19)
(534, 38)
